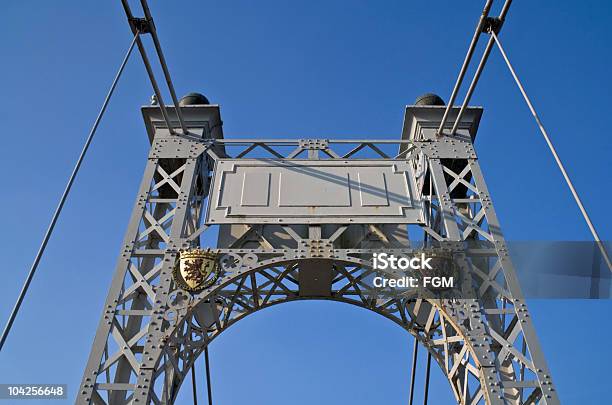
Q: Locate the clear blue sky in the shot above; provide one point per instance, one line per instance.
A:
(291, 69)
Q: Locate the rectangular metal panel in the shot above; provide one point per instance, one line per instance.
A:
(305, 186)
(373, 188)
(257, 191)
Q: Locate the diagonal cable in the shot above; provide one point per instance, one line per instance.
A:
(60, 205)
(600, 244)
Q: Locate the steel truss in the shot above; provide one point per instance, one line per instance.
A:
(151, 333)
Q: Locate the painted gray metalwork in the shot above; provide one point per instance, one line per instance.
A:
(291, 191)
(151, 333)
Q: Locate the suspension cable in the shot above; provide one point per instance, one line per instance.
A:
(193, 384)
(466, 62)
(600, 244)
(147, 63)
(60, 205)
(208, 385)
(427, 372)
(485, 56)
(415, 353)
(164, 65)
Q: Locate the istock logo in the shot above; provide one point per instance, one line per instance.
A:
(384, 261)
(433, 271)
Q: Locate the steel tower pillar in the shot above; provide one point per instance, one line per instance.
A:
(297, 220)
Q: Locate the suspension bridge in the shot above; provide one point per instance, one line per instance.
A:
(296, 220)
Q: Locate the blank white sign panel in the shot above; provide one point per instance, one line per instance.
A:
(312, 192)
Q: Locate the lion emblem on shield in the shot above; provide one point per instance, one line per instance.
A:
(196, 269)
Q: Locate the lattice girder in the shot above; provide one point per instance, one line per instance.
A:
(150, 333)
(440, 326)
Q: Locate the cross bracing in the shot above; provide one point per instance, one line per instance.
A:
(151, 332)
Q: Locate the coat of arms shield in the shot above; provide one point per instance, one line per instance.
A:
(196, 269)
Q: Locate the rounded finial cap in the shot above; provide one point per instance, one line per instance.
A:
(194, 99)
(429, 99)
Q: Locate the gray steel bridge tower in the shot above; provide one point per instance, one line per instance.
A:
(296, 220)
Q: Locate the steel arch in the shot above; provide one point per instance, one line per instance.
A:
(187, 337)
